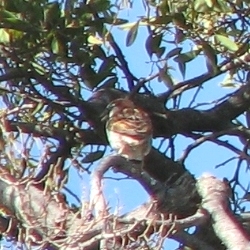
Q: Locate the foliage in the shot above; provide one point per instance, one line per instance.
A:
(62, 63)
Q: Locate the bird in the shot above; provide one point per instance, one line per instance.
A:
(128, 129)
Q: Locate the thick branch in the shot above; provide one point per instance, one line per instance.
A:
(215, 201)
(170, 181)
(167, 123)
(45, 219)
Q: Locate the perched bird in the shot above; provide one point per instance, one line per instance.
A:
(129, 129)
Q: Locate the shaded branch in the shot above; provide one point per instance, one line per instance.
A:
(164, 182)
(124, 64)
(167, 123)
(191, 240)
(227, 65)
(47, 220)
(86, 136)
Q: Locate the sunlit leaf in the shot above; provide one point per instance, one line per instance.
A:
(114, 21)
(221, 6)
(126, 4)
(201, 6)
(4, 36)
(38, 108)
(95, 40)
(159, 20)
(228, 82)
(127, 26)
(165, 77)
(210, 3)
(227, 42)
(228, 85)
(38, 68)
(55, 47)
(6, 14)
(131, 36)
(186, 57)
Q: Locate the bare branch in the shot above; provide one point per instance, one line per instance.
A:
(215, 200)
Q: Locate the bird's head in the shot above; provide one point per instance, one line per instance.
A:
(116, 107)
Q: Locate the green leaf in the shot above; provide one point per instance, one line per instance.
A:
(222, 7)
(228, 85)
(227, 42)
(6, 14)
(210, 3)
(160, 51)
(153, 44)
(98, 51)
(164, 7)
(201, 6)
(164, 76)
(127, 26)
(55, 46)
(228, 81)
(39, 68)
(99, 5)
(179, 20)
(182, 59)
(93, 156)
(89, 76)
(131, 36)
(211, 57)
(159, 20)
(107, 65)
(52, 15)
(113, 21)
(94, 40)
(38, 108)
(4, 36)
(173, 52)
(59, 44)
(186, 57)
(17, 24)
(182, 68)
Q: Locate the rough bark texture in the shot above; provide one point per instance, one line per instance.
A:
(215, 200)
(166, 181)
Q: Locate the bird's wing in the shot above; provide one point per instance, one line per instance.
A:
(133, 128)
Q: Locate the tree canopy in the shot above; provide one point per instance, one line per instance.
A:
(62, 64)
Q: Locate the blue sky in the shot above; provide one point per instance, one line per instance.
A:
(124, 195)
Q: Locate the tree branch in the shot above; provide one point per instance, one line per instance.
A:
(215, 200)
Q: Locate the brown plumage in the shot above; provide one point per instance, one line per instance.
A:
(129, 129)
